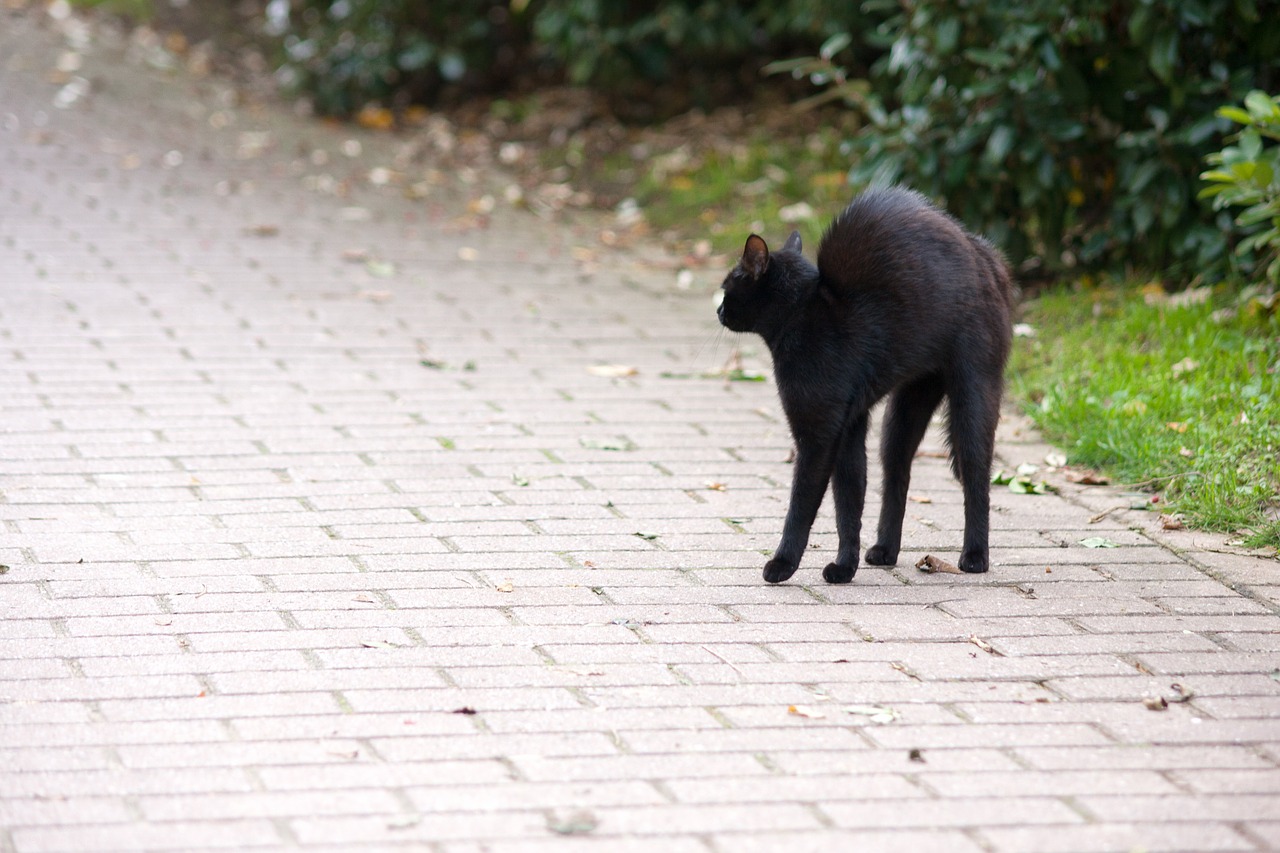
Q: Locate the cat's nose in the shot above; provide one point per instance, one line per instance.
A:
(720, 313)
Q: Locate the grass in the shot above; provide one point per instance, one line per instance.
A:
(1178, 396)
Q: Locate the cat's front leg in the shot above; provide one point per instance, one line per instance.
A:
(849, 486)
(808, 485)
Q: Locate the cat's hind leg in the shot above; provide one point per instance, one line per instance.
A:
(849, 487)
(973, 413)
(906, 418)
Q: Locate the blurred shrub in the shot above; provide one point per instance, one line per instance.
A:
(1067, 131)
(346, 53)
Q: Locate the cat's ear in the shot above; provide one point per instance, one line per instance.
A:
(755, 256)
(793, 243)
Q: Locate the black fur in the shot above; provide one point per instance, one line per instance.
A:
(905, 302)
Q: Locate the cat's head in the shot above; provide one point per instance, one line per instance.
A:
(763, 287)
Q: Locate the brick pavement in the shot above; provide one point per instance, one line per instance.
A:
(307, 552)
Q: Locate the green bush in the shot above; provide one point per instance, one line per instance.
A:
(1248, 176)
(346, 53)
(1069, 132)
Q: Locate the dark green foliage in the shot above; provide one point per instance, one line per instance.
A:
(1248, 176)
(346, 53)
(1070, 132)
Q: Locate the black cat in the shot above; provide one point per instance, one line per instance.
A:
(903, 300)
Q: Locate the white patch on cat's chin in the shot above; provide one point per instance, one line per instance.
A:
(717, 298)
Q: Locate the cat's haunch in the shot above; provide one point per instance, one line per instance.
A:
(903, 302)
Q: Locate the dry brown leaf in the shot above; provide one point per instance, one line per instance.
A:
(984, 645)
(931, 564)
(1156, 703)
(716, 487)
(1171, 522)
(920, 499)
(807, 711)
(1086, 478)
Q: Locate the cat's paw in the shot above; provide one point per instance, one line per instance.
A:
(880, 555)
(836, 573)
(974, 563)
(778, 570)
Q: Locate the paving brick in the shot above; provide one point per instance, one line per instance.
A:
(955, 812)
(1119, 836)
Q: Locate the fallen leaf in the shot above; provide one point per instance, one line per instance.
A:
(380, 269)
(577, 823)
(1176, 426)
(920, 499)
(465, 710)
(1171, 522)
(612, 371)
(618, 443)
(1098, 542)
(984, 645)
(1055, 459)
(807, 711)
(365, 598)
(875, 713)
(1155, 703)
(797, 212)
(999, 478)
(1024, 485)
(931, 564)
(915, 755)
(519, 481)
(1180, 693)
(1086, 478)
(505, 586)
(648, 537)
(379, 644)
(715, 487)
(375, 118)
(1026, 469)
